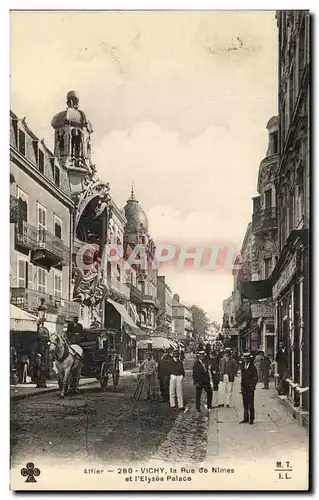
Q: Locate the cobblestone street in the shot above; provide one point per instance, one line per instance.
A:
(110, 427)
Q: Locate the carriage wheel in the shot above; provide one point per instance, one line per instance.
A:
(104, 377)
(116, 378)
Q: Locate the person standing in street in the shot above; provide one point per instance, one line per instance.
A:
(149, 369)
(257, 363)
(177, 373)
(265, 364)
(228, 371)
(202, 380)
(249, 379)
(282, 366)
(164, 374)
(214, 368)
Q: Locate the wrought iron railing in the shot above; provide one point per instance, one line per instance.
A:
(264, 219)
(136, 293)
(26, 235)
(118, 288)
(53, 244)
(32, 238)
(29, 300)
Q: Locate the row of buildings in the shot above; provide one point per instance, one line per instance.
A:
(270, 299)
(63, 221)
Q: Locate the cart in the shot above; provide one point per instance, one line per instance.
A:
(100, 359)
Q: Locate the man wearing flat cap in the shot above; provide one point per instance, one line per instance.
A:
(249, 379)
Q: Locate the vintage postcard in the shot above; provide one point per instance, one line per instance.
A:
(159, 271)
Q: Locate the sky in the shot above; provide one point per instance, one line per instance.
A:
(179, 103)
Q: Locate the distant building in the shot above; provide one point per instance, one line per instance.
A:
(182, 319)
(165, 312)
(144, 289)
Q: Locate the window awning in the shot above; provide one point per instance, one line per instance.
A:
(161, 343)
(126, 318)
(254, 290)
(20, 320)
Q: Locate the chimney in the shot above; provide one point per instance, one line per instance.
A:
(176, 297)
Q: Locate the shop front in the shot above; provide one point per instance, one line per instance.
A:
(290, 293)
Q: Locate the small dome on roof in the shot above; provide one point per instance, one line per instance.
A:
(135, 215)
(72, 115)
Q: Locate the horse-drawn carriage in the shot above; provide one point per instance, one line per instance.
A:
(100, 358)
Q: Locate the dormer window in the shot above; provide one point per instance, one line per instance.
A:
(41, 161)
(21, 145)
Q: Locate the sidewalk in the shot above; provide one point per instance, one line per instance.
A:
(216, 439)
(21, 391)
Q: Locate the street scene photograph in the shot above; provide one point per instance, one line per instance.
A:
(159, 250)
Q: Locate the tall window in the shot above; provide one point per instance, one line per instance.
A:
(256, 204)
(57, 284)
(30, 276)
(268, 196)
(268, 267)
(57, 176)
(57, 223)
(42, 218)
(22, 273)
(41, 161)
(42, 280)
(21, 142)
(274, 143)
(23, 205)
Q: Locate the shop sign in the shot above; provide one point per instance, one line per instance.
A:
(262, 310)
(285, 277)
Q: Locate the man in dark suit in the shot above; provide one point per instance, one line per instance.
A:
(282, 366)
(249, 379)
(202, 380)
(163, 369)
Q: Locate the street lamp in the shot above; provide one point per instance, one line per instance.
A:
(43, 336)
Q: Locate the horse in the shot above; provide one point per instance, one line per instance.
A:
(68, 361)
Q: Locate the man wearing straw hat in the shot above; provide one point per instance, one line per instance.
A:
(249, 379)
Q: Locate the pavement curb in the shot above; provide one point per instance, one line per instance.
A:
(19, 397)
(302, 417)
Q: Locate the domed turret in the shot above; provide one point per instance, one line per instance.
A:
(135, 216)
(72, 115)
(72, 142)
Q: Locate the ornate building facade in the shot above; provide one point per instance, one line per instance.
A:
(138, 240)
(291, 274)
(41, 218)
(99, 281)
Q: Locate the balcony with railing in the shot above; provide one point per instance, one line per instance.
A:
(264, 220)
(119, 291)
(136, 293)
(149, 299)
(47, 249)
(29, 300)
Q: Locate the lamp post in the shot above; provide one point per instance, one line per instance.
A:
(43, 336)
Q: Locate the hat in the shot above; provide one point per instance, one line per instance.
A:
(201, 353)
(246, 355)
(227, 349)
